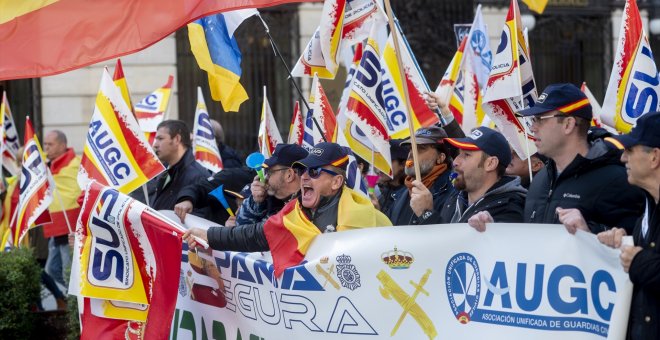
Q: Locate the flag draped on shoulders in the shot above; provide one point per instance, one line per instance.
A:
(634, 85)
(511, 86)
(290, 232)
(320, 54)
(51, 37)
(205, 148)
(150, 111)
(216, 51)
(65, 170)
(10, 141)
(116, 152)
(36, 192)
(126, 266)
(269, 134)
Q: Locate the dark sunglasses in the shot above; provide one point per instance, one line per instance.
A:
(315, 172)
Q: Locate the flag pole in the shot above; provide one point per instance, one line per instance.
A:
(59, 199)
(406, 97)
(276, 50)
(522, 99)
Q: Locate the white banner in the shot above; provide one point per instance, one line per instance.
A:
(515, 281)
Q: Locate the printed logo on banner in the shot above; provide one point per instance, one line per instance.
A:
(463, 286)
(347, 273)
(478, 44)
(563, 297)
(182, 284)
(397, 259)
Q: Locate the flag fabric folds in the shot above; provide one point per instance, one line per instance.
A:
(150, 111)
(537, 6)
(320, 109)
(116, 152)
(393, 92)
(51, 40)
(126, 267)
(634, 85)
(359, 15)
(320, 54)
(217, 53)
(511, 86)
(10, 141)
(36, 192)
(269, 134)
(290, 231)
(120, 80)
(205, 148)
(297, 127)
(64, 170)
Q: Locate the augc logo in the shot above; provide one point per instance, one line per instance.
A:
(463, 286)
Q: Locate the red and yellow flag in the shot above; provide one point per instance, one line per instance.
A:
(290, 232)
(48, 37)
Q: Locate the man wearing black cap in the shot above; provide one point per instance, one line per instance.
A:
(520, 168)
(418, 202)
(282, 184)
(642, 261)
(480, 166)
(583, 185)
(324, 205)
(390, 186)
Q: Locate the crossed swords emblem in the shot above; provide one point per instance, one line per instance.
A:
(328, 275)
(390, 289)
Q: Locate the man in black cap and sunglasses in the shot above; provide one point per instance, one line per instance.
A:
(325, 204)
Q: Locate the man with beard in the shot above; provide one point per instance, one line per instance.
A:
(282, 185)
(325, 205)
(390, 186)
(484, 189)
(419, 202)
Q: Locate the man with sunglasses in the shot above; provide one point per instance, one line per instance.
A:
(584, 184)
(325, 205)
(282, 185)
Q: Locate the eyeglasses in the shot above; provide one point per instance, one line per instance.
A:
(269, 172)
(538, 119)
(315, 172)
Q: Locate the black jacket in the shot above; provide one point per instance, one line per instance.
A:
(402, 214)
(505, 201)
(645, 275)
(204, 205)
(596, 184)
(184, 172)
(251, 237)
(230, 158)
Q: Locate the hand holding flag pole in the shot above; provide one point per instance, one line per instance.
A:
(276, 50)
(406, 97)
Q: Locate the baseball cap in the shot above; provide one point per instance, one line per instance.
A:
(487, 140)
(428, 135)
(645, 132)
(286, 155)
(324, 154)
(566, 98)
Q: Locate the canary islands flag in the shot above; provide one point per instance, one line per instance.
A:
(217, 53)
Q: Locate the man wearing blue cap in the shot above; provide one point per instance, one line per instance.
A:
(583, 185)
(282, 185)
(484, 189)
(325, 204)
(642, 158)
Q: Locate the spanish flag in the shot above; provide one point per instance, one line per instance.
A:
(290, 232)
(65, 176)
(55, 36)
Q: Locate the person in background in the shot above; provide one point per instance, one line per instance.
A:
(390, 186)
(230, 158)
(520, 168)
